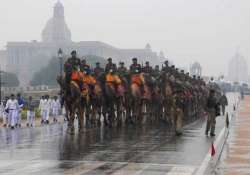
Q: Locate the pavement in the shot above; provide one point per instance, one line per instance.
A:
(235, 157)
(127, 150)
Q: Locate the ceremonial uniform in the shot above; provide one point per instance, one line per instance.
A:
(224, 103)
(211, 109)
(30, 112)
(110, 66)
(21, 105)
(71, 68)
(55, 106)
(98, 71)
(12, 107)
(122, 70)
(42, 108)
(135, 70)
(148, 69)
(48, 108)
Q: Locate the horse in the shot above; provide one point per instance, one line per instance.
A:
(73, 101)
(135, 99)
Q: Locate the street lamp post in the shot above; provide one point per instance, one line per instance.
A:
(60, 57)
(1, 84)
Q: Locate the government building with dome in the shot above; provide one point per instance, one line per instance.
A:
(26, 58)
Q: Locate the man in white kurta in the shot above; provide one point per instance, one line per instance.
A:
(12, 107)
(42, 108)
(55, 106)
(47, 108)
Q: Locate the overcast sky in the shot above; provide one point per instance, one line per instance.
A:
(208, 31)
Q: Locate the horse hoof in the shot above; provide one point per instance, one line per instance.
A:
(81, 130)
(71, 131)
(178, 133)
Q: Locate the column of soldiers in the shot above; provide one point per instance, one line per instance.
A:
(190, 93)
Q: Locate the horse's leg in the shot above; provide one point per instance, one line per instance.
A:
(119, 111)
(71, 128)
(81, 119)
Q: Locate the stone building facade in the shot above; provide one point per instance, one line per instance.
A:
(26, 58)
(238, 69)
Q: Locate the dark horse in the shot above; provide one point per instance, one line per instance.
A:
(72, 102)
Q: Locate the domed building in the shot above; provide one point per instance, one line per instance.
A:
(27, 58)
(56, 29)
(238, 69)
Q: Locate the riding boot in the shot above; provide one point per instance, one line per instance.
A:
(142, 89)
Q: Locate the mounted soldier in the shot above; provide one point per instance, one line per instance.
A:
(87, 79)
(98, 70)
(166, 67)
(71, 68)
(135, 72)
(111, 75)
(147, 69)
(122, 70)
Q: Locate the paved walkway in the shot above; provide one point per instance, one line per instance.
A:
(104, 151)
(236, 154)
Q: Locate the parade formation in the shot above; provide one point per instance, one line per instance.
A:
(136, 95)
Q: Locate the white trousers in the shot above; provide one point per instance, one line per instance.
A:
(55, 112)
(12, 118)
(30, 117)
(18, 117)
(47, 114)
(44, 114)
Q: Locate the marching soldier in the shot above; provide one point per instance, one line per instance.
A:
(30, 112)
(55, 106)
(21, 105)
(12, 108)
(211, 109)
(42, 108)
(223, 103)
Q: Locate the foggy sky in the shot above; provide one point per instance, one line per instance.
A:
(208, 31)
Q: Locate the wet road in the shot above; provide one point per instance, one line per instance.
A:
(126, 150)
(50, 150)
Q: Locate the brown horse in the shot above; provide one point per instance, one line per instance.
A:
(135, 99)
(73, 102)
(96, 102)
(167, 95)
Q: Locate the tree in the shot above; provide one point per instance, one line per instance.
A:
(9, 80)
(47, 75)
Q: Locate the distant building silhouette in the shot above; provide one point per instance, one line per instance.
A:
(26, 58)
(196, 69)
(238, 69)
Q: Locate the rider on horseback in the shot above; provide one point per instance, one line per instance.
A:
(71, 68)
(98, 70)
(111, 77)
(87, 79)
(135, 71)
(147, 69)
(166, 68)
(122, 70)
